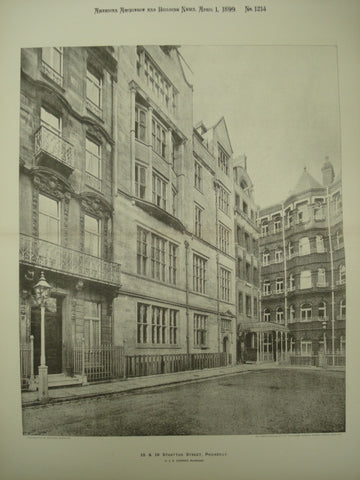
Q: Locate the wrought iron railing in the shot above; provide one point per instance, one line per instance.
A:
(27, 363)
(142, 365)
(104, 362)
(54, 145)
(56, 257)
(304, 360)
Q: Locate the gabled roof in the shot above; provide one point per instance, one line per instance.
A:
(305, 183)
(218, 124)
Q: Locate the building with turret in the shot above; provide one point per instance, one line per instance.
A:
(302, 258)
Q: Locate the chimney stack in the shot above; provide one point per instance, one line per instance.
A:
(328, 174)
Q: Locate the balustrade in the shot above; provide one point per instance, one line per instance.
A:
(56, 257)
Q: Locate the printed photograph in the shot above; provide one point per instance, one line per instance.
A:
(181, 259)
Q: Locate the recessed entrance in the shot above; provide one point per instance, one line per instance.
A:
(53, 335)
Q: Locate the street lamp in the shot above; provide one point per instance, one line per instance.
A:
(324, 330)
(42, 290)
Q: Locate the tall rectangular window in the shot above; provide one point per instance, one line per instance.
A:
(142, 251)
(157, 257)
(158, 325)
(223, 160)
(241, 302)
(279, 285)
(92, 242)
(173, 327)
(172, 263)
(140, 181)
(93, 88)
(52, 63)
(158, 138)
(198, 176)
(140, 124)
(199, 274)
(200, 330)
(49, 219)
(198, 221)
(266, 287)
(93, 164)
(223, 200)
(224, 284)
(92, 320)
(158, 191)
(51, 121)
(224, 235)
(305, 279)
(248, 305)
(142, 323)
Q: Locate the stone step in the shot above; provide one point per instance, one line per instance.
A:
(61, 380)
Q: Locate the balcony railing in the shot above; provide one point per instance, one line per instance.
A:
(51, 73)
(72, 262)
(52, 145)
(341, 281)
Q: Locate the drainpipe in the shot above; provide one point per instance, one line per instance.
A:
(217, 266)
(116, 139)
(285, 278)
(186, 243)
(332, 279)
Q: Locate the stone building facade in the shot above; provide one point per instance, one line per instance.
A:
(113, 173)
(303, 265)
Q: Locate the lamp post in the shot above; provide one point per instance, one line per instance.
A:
(42, 290)
(324, 330)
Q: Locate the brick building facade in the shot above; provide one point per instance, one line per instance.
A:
(303, 265)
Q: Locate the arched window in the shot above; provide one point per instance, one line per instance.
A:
(291, 314)
(266, 257)
(291, 282)
(280, 315)
(267, 315)
(322, 311)
(305, 312)
(343, 309)
(321, 280)
(305, 279)
(342, 274)
(320, 244)
(304, 246)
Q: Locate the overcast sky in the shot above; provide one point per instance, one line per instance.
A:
(280, 104)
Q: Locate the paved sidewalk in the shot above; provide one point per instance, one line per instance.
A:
(131, 384)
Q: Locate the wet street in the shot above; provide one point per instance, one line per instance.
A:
(252, 402)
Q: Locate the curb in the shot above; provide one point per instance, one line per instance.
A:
(52, 401)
